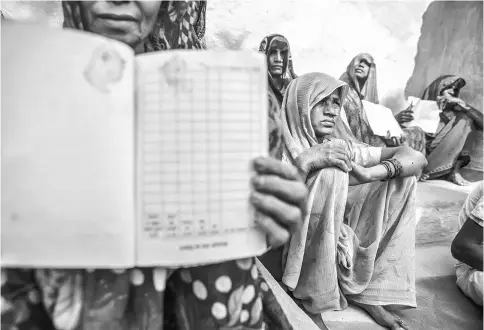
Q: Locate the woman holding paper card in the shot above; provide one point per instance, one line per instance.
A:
(356, 244)
(226, 295)
(448, 149)
(360, 75)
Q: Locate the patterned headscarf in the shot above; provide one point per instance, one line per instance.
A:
(440, 84)
(287, 68)
(180, 24)
(369, 90)
(301, 96)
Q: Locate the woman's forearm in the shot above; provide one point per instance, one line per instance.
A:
(303, 163)
(412, 161)
(474, 114)
(369, 174)
(470, 254)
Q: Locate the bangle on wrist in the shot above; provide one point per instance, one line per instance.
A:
(397, 165)
(386, 165)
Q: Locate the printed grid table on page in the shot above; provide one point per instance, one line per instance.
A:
(201, 128)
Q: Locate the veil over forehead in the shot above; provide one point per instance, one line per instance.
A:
(369, 91)
(302, 94)
(433, 91)
(288, 69)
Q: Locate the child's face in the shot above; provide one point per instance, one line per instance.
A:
(324, 113)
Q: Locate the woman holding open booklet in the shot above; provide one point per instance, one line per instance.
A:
(226, 295)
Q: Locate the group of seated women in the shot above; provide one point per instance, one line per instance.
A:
(357, 244)
(340, 201)
(447, 149)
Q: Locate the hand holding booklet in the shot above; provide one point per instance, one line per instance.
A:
(426, 114)
(116, 160)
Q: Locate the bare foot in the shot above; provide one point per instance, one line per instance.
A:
(424, 177)
(457, 178)
(384, 317)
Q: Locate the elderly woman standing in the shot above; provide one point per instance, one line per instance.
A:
(360, 75)
(356, 244)
(226, 295)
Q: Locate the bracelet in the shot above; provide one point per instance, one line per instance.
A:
(386, 164)
(397, 165)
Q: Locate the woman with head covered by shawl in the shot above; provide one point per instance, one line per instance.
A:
(356, 244)
(279, 64)
(360, 75)
(280, 73)
(226, 295)
(448, 149)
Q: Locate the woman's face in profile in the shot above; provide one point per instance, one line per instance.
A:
(126, 21)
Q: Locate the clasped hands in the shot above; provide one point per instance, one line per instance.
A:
(332, 154)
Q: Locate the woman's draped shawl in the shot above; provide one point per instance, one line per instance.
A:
(356, 114)
(287, 66)
(433, 91)
(359, 129)
(341, 249)
(301, 96)
(448, 143)
(369, 90)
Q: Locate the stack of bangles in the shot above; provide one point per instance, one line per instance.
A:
(393, 167)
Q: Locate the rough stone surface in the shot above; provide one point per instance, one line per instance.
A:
(451, 42)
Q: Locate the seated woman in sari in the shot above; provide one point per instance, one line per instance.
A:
(356, 244)
(360, 75)
(225, 295)
(448, 149)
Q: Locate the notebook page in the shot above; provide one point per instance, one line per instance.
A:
(426, 114)
(202, 117)
(381, 120)
(67, 149)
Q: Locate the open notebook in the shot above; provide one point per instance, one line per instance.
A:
(111, 160)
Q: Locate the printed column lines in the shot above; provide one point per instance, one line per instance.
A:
(208, 221)
(219, 144)
(251, 130)
(177, 158)
(163, 219)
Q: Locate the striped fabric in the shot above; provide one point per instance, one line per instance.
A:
(356, 243)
